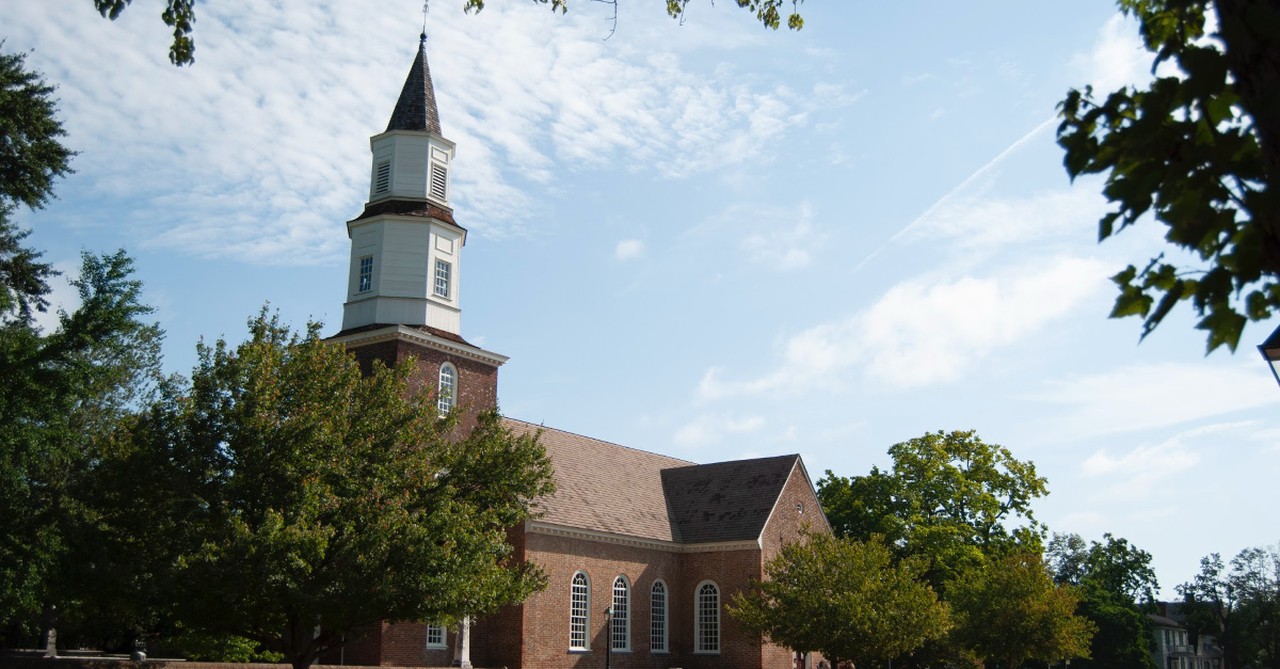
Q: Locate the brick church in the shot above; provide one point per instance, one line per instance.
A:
(642, 551)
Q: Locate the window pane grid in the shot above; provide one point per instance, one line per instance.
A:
(445, 393)
(435, 636)
(442, 278)
(620, 629)
(578, 612)
(708, 631)
(366, 274)
(658, 619)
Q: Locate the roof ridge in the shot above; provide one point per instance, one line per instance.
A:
(603, 441)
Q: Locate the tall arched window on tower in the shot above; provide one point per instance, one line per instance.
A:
(706, 633)
(579, 595)
(447, 389)
(658, 618)
(620, 628)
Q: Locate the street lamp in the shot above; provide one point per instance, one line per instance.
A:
(608, 635)
(1270, 350)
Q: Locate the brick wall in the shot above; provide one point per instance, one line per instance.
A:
(477, 384)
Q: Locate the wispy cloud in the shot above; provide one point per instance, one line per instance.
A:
(1141, 397)
(924, 331)
(712, 429)
(628, 249)
(1116, 59)
(257, 152)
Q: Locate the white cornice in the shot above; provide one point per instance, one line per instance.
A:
(552, 529)
(416, 336)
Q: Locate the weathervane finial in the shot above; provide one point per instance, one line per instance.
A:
(425, 8)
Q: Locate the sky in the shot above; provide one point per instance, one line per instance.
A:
(701, 238)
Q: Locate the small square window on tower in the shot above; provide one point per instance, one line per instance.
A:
(441, 288)
(366, 275)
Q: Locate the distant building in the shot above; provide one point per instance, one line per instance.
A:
(660, 543)
(1173, 648)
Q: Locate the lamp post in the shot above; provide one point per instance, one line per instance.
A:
(1270, 350)
(608, 635)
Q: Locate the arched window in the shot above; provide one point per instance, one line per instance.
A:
(706, 632)
(620, 627)
(579, 595)
(658, 618)
(447, 389)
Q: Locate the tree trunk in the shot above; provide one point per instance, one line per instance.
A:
(1250, 30)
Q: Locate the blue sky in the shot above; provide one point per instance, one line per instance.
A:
(707, 240)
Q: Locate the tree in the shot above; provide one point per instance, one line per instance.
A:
(1011, 611)
(1239, 606)
(949, 499)
(1117, 587)
(847, 599)
(62, 387)
(283, 497)
(180, 15)
(32, 157)
(1200, 151)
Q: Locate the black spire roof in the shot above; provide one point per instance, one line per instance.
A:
(416, 108)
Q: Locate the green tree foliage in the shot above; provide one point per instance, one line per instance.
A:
(1117, 587)
(1239, 606)
(949, 499)
(32, 157)
(1011, 611)
(180, 15)
(284, 497)
(1200, 151)
(62, 387)
(847, 599)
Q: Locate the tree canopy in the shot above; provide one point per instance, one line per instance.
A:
(288, 499)
(1011, 611)
(1117, 587)
(61, 387)
(1239, 604)
(849, 600)
(1199, 151)
(950, 498)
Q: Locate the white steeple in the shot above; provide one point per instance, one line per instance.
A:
(406, 249)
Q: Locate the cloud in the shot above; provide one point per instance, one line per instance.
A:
(629, 249)
(712, 429)
(1148, 396)
(260, 150)
(924, 331)
(780, 238)
(1116, 59)
(976, 222)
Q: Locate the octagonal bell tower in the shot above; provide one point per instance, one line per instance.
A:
(404, 296)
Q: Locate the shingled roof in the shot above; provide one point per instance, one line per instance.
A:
(725, 501)
(416, 108)
(605, 487)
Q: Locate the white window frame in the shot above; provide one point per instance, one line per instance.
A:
(443, 283)
(706, 619)
(437, 638)
(620, 620)
(364, 274)
(658, 619)
(447, 388)
(579, 611)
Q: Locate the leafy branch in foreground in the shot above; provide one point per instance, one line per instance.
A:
(1199, 151)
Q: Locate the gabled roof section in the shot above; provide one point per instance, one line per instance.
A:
(416, 108)
(604, 487)
(725, 501)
